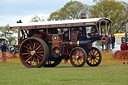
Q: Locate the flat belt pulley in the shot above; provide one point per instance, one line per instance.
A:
(56, 51)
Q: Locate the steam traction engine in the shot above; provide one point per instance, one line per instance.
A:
(47, 43)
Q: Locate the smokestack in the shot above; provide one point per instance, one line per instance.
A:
(83, 15)
(19, 21)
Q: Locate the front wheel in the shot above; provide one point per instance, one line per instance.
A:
(78, 57)
(34, 52)
(94, 57)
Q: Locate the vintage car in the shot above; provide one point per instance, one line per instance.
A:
(47, 43)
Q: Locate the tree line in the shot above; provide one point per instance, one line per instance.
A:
(116, 11)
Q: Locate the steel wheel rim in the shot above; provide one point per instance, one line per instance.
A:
(77, 57)
(33, 53)
(93, 57)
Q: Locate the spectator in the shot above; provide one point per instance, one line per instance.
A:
(113, 41)
(108, 41)
(103, 40)
(13, 51)
(16, 50)
(1, 55)
(126, 35)
(3, 51)
(122, 47)
(126, 38)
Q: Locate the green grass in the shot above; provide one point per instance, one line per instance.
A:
(110, 72)
(64, 74)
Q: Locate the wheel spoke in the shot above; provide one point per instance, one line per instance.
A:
(73, 56)
(39, 57)
(26, 47)
(81, 54)
(77, 52)
(96, 58)
(96, 53)
(30, 43)
(37, 61)
(82, 57)
(81, 61)
(78, 62)
(95, 61)
(74, 60)
(27, 56)
(93, 52)
(28, 59)
(25, 53)
(28, 51)
(40, 52)
(38, 47)
(89, 59)
(33, 61)
(29, 46)
(34, 45)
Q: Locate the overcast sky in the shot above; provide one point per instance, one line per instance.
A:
(14, 10)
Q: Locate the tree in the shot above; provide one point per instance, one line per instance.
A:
(115, 10)
(37, 19)
(8, 34)
(121, 24)
(55, 16)
(71, 10)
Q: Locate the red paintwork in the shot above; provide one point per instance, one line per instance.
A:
(56, 43)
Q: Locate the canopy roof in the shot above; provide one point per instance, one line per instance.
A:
(63, 23)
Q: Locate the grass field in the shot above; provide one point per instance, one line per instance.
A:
(110, 72)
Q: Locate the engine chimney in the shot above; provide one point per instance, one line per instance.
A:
(83, 15)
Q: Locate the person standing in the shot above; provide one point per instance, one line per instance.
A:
(103, 41)
(108, 41)
(113, 41)
(1, 55)
(3, 51)
(122, 47)
(14, 49)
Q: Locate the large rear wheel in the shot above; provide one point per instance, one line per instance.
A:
(78, 57)
(34, 52)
